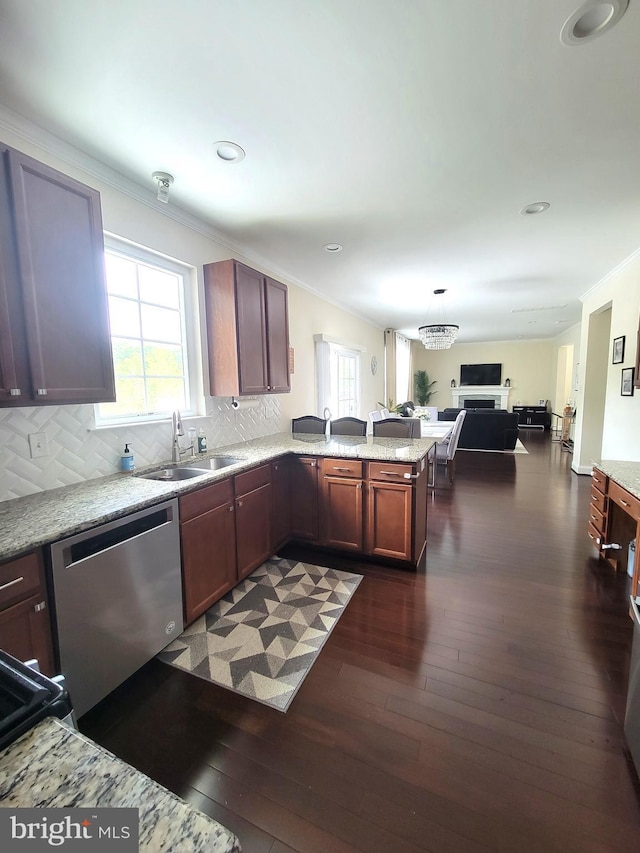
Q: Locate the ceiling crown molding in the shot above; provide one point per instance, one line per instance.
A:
(68, 153)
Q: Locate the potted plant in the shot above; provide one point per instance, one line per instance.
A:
(423, 387)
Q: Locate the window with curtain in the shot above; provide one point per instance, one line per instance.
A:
(338, 370)
(403, 368)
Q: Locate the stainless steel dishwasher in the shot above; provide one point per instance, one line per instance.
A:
(117, 599)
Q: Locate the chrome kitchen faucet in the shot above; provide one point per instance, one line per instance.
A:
(177, 430)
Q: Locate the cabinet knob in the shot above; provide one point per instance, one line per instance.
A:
(41, 392)
(41, 605)
(230, 509)
(240, 503)
(15, 392)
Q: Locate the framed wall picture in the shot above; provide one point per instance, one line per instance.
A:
(626, 388)
(618, 350)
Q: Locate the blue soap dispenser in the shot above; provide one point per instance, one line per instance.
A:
(126, 460)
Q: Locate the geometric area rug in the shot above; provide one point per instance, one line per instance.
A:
(263, 636)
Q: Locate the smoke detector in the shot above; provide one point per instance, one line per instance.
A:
(164, 181)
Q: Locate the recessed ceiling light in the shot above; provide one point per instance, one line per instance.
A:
(332, 247)
(592, 20)
(535, 207)
(229, 152)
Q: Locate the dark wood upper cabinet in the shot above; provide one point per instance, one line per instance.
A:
(54, 320)
(247, 331)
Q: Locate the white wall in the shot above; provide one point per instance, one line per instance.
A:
(621, 291)
(529, 365)
(76, 450)
(567, 342)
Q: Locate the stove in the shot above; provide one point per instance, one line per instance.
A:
(27, 697)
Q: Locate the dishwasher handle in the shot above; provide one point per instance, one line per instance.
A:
(80, 548)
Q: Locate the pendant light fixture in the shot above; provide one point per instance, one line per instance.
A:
(438, 335)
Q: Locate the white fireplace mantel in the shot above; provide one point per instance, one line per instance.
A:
(499, 393)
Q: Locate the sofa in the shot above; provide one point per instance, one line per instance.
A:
(485, 429)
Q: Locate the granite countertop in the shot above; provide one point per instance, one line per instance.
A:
(53, 766)
(39, 519)
(626, 474)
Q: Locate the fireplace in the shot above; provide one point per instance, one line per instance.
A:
(476, 395)
(477, 403)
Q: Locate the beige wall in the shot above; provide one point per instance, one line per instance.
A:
(620, 293)
(529, 365)
(310, 315)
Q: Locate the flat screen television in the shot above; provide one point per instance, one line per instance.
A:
(480, 374)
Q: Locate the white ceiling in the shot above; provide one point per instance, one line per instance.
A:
(410, 131)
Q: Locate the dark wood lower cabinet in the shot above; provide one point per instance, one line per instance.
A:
(281, 501)
(208, 542)
(389, 520)
(25, 628)
(341, 503)
(304, 498)
(231, 527)
(253, 519)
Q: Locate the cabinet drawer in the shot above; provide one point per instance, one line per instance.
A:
(596, 518)
(599, 480)
(390, 472)
(342, 468)
(19, 579)
(597, 499)
(202, 500)
(253, 479)
(629, 503)
(594, 535)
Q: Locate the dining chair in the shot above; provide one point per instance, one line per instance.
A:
(348, 426)
(446, 449)
(393, 428)
(309, 424)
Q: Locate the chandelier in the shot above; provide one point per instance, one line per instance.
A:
(438, 335)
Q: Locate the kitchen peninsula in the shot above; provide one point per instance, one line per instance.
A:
(359, 495)
(39, 519)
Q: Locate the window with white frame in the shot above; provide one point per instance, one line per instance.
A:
(338, 368)
(150, 310)
(403, 368)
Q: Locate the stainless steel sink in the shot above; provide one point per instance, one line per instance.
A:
(214, 463)
(171, 474)
(188, 470)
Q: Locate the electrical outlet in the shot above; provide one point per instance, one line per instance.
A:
(38, 444)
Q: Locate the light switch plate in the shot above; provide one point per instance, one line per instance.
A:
(38, 444)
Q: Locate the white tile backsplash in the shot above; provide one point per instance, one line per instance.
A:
(79, 452)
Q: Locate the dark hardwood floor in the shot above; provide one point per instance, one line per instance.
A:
(474, 705)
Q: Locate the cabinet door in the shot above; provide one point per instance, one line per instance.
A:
(304, 498)
(208, 559)
(14, 369)
(341, 515)
(389, 520)
(281, 502)
(60, 250)
(277, 336)
(25, 632)
(252, 340)
(253, 529)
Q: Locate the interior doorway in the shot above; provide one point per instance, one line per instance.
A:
(564, 379)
